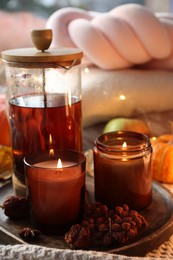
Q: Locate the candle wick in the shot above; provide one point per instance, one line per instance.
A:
(59, 171)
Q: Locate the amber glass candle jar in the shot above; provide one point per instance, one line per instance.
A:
(122, 169)
(56, 190)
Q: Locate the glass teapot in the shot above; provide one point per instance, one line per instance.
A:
(44, 88)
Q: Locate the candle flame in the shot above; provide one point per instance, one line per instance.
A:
(51, 152)
(50, 139)
(59, 164)
(124, 145)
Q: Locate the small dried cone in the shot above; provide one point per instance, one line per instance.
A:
(16, 207)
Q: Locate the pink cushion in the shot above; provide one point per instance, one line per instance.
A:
(128, 35)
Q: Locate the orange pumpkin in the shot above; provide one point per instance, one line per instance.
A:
(162, 158)
(5, 138)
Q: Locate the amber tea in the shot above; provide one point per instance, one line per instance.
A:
(44, 121)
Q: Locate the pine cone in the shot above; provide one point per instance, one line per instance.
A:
(16, 207)
(78, 237)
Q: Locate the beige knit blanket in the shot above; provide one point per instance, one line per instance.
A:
(144, 91)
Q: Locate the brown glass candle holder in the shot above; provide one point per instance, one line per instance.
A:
(56, 193)
(122, 169)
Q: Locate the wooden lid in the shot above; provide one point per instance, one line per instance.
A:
(42, 40)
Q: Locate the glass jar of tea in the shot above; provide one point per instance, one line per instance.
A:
(44, 87)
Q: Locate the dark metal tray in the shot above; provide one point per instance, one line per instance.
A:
(159, 215)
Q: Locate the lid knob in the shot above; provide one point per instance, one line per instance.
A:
(42, 38)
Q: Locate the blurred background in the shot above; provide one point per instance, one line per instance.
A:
(45, 8)
(19, 17)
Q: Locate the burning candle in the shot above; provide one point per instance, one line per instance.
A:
(122, 169)
(56, 191)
